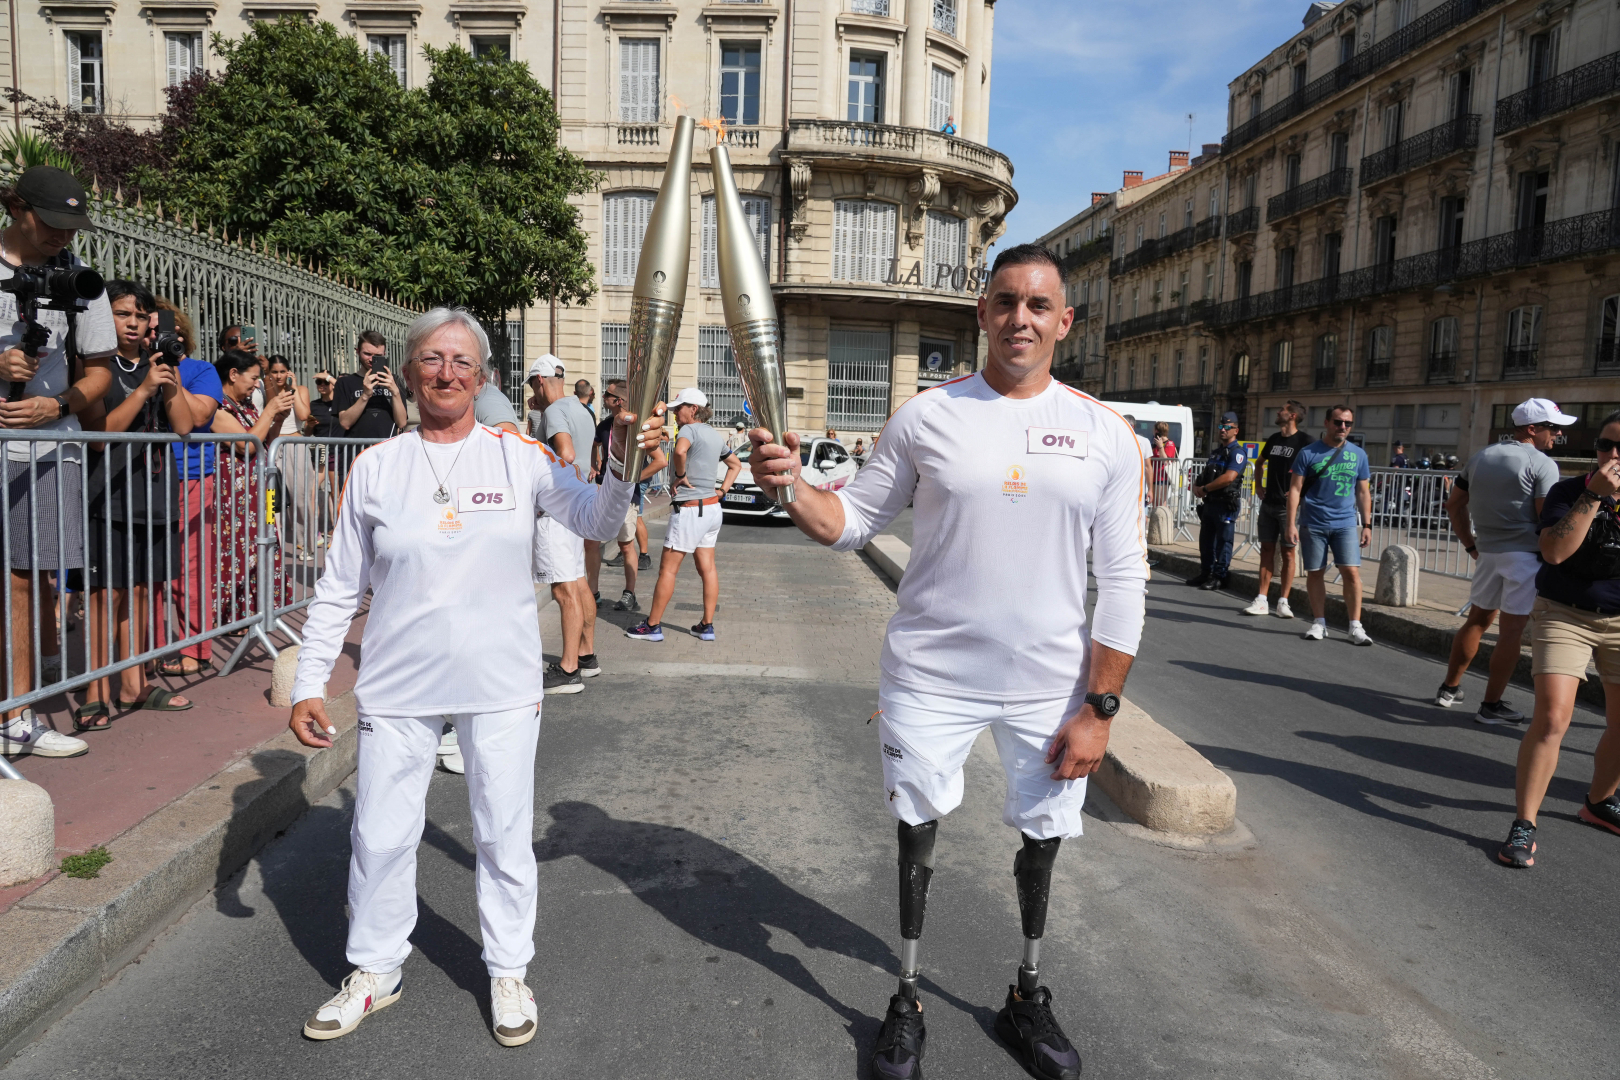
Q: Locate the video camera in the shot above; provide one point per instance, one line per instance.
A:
(57, 288)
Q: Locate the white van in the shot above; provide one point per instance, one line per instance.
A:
(1179, 417)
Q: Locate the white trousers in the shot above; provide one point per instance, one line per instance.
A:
(396, 762)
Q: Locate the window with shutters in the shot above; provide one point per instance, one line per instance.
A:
(858, 363)
(1380, 353)
(624, 223)
(717, 374)
(1327, 361)
(944, 248)
(739, 82)
(863, 240)
(1405, 12)
(865, 88)
(391, 46)
(87, 88)
(615, 351)
(1282, 364)
(758, 212)
(184, 54)
(1443, 337)
(638, 80)
(941, 98)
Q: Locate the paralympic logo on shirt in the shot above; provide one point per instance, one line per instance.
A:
(449, 523)
(1015, 487)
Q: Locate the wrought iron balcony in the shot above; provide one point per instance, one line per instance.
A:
(1432, 145)
(1325, 377)
(1414, 35)
(1301, 197)
(1378, 372)
(1207, 230)
(1088, 252)
(1281, 379)
(1244, 221)
(1441, 366)
(945, 16)
(869, 7)
(1589, 82)
(1082, 312)
(1157, 321)
(1608, 356)
(1152, 251)
(1519, 361)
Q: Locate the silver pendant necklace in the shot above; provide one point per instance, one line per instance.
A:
(442, 496)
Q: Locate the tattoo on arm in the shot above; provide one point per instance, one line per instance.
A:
(1566, 524)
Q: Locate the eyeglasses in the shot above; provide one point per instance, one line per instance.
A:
(460, 366)
(1225, 427)
(1606, 446)
(1342, 423)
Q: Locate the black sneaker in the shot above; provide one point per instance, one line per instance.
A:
(899, 1050)
(588, 667)
(1213, 584)
(615, 562)
(1198, 581)
(1447, 696)
(1496, 713)
(1605, 814)
(703, 631)
(1030, 1029)
(559, 681)
(627, 602)
(644, 561)
(1519, 850)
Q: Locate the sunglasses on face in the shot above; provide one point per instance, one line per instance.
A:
(1607, 446)
(1224, 427)
(1342, 423)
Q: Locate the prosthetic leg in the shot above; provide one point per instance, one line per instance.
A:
(916, 867)
(1032, 869)
(1026, 1022)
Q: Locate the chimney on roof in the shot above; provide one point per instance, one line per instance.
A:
(1211, 149)
(1178, 160)
(1098, 196)
(1132, 177)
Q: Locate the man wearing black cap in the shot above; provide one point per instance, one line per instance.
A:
(1220, 485)
(47, 206)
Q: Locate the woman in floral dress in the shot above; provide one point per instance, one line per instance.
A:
(236, 585)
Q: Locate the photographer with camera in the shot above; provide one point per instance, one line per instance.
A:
(369, 399)
(56, 358)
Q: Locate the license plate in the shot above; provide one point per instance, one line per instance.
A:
(746, 500)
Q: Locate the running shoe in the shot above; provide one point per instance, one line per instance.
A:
(703, 631)
(362, 993)
(1494, 713)
(512, 1011)
(1257, 606)
(559, 681)
(1358, 636)
(1519, 850)
(1605, 814)
(643, 631)
(644, 561)
(1283, 611)
(898, 1053)
(627, 602)
(1315, 632)
(27, 734)
(588, 667)
(615, 562)
(1447, 696)
(1030, 1029)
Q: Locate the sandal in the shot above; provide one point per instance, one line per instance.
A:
(159, 700)
(89, 711)
(176, 665)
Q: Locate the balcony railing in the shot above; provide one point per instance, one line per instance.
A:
(1377, 372)
(1089, 252)
(1152, 251)
(1244, 221)
(1441, 366)
(1554, 241)
(869, 7)
(945, 16)
(1432, 145)
(1280, 379)
(1414, 35)
(741, 137)
(639, 135)
(1082, 312)
(806, 135)
(1207, 230)
(1608, 356)
(1157, 321)
(1519, 361)
(1324, 377)
(1330, 185)
(1589, 82)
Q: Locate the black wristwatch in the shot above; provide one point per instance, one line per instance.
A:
(1104, 705)
(61, 406)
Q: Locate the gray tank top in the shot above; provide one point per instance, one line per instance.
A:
(702, 462)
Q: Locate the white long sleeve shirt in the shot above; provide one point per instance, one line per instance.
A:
(1009, 495)
(453, 626)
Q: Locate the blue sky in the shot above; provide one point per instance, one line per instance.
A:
(1082, 90)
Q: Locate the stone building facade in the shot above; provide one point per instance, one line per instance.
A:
(1421, 218)
(858, 130)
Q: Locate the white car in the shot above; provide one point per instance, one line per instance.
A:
(824, 463)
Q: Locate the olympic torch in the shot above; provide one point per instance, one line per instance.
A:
(745, 294)
(660, 292)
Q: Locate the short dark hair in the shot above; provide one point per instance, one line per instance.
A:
(223, 341)
(1612, 418)
(1298, 411)
(1341, 408)
(1024, 255)
(118, 288)
(583, 387)
(371, 337)
(236, 360)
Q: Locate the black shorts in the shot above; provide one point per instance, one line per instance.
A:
(119, 555)
(1272, 528)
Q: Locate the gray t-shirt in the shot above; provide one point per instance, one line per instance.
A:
(95, 337)
(569, 417)
(492, 409)
(703, 459)
(1504, 481)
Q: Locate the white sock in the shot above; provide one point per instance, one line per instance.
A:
(1321, 622)
(1354, 623)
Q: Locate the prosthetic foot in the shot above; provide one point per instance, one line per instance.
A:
(1026, 1023)
(899, 1049)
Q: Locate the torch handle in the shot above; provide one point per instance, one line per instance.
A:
(654, 327)
(758, 355)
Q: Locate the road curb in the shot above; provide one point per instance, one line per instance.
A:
(69, 936)
(1148, 771)
(1386, 625)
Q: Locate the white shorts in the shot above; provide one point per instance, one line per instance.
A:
(690, 530)
(1505, 581)
(925, 740)
(559, 555)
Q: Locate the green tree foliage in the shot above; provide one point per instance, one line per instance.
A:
(454, 192)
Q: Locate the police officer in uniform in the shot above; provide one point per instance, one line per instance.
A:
(1220, 485)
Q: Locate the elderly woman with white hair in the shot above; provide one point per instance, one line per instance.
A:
(438, 524)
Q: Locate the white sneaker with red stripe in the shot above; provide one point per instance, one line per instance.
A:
(362, 993)
(512, 1011)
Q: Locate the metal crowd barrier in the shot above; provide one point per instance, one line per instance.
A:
(308, 476)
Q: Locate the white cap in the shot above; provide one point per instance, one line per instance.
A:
(1541, 411)
(690, 396)
(547, 367)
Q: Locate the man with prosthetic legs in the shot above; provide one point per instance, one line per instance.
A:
(983, 640)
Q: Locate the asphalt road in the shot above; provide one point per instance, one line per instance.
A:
(717, 883)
